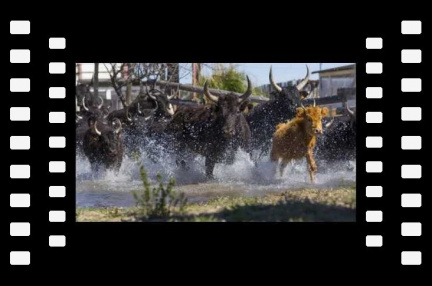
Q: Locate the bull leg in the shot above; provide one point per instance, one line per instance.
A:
(282, 167)
(209, 166)
(311, 165)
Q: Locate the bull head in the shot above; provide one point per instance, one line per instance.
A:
(299, 86)
(241, 98)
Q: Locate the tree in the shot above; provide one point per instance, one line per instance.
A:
(225, 78)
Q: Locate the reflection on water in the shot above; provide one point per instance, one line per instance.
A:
(240, 178)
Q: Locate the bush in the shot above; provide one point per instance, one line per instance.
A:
(160, 201)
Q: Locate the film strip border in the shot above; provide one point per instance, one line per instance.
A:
(23, 128)
(410, 142)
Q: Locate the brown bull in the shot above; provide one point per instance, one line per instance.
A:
(296, 138)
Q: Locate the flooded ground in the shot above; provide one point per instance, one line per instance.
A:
(241, 178)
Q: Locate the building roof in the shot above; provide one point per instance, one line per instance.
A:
(347, 67)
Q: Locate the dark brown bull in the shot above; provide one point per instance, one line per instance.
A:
(214, 131)
(264, 118)
(102, 144)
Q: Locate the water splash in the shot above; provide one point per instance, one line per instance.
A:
(242, 177)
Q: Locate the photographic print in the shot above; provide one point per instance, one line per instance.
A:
(222, 142)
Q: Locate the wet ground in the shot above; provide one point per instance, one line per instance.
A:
(241, 178)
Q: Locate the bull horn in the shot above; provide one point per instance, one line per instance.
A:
(328, 124)
(117, 122)
(78, 117)
(351, 113)
(138, 108)
(174, 94)
(102, 102)
(314, 102)
(170, 109)
(304, 81)
(248, 92)
(157, 106)
(151, 96)
(272, 82)
(147, 118)
(301, 104)
(129, 117)
(208, 94)
(83, 104)
(95, 129)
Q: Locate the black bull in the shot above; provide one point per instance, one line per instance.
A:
(338, 143)
(214, 131)
(102, 144)
(264, 118)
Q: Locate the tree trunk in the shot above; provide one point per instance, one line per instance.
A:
(96, 83)
(129, 84)
(129, 93)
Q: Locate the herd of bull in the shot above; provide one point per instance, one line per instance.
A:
(281, 127)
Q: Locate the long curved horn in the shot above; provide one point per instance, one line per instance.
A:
(83, 104)
(248, 92)
(302, 106)
(170, 109)
(102, 102)
(151, 96)
(305, 80)
(272, 82)
(171, 96)
(117, 122)
(351, 113)
(138, 108)
(157, 106)
(128, 116)
(95, 129)
(328, 124)
(175, 93)
(208, 94)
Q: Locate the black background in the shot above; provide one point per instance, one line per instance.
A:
(128, 33)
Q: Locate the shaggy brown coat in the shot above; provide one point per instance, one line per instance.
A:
(296, 138)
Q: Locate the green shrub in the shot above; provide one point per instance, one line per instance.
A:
(160, 201)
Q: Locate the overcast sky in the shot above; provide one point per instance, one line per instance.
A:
(259, 72)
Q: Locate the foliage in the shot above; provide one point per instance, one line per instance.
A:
(226, 78)
(160, 201)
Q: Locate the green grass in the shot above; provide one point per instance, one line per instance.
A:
(302, 205)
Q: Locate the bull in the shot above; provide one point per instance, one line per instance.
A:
(264, 118)
(296, 138)
(146, 117)
(339, 141)
(102, 144)
(215, 131)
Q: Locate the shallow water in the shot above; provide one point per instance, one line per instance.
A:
(240, 178)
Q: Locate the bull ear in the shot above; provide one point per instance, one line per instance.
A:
(324, 111)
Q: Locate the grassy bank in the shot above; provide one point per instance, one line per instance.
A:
(303, 205)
